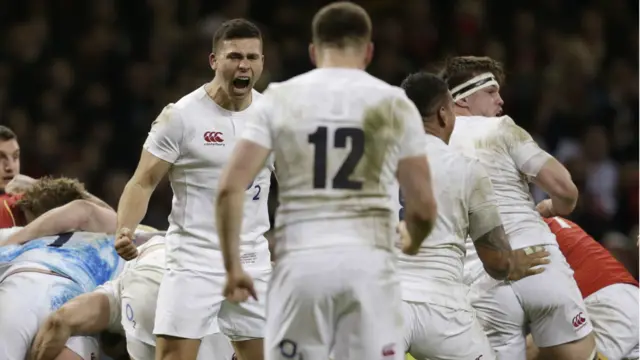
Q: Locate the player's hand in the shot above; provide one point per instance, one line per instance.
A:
(523, 264)
(19, 184)
(545, 208)
(408, 247)
(49, 341)
(239, 286)
(124, 245)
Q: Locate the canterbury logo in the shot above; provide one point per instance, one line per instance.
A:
(213, 137)
(579, 320)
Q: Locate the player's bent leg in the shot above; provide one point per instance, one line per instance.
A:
(68, 354)
(533, 352)
(245, 323)
(175, 348)
(444, 333)
(556, 312)
(614, 314)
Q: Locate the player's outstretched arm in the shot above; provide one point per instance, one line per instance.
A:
(86, 314)
(247, 160)
(78, 215)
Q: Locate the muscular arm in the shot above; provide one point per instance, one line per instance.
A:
(556, 181)
(485, 225)
(78, 215)
(247, 160)
(86, 314)
(134, 200)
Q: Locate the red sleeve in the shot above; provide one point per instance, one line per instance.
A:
(9, 213)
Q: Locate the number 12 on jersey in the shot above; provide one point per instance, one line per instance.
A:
(341, 180)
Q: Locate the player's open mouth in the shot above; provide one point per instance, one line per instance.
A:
(241, 82)
(7, 178)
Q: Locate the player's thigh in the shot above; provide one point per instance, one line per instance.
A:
(139, 350)
(368, 318)
(245, 321)
(84, 347)
(138, 302)
(614, 314)
(553, 304)
(436, 332)
(300, 307)
(215, 347)
(188, 304)
(500, 314)
(27, 298)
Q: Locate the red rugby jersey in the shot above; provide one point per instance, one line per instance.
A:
(593, 266)
(10, 215)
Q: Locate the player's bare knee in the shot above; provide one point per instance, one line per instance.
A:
(67, 354)
(175, 348)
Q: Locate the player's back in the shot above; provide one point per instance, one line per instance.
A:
(502, 147)
(435, 273)
(337, 144)
(89, 259)
(593, 266)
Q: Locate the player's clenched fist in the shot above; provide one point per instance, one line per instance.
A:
(239, 286)
(125, 246)
(408, 246)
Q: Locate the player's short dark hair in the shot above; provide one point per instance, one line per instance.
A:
(235, 29)
(460, 69)
(7, 134)
(427, 91)
(341, 24)
(48, 193)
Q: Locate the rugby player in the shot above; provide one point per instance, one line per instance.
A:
(123, 306)
(191, 141)
(548, 302)
(9, 158)
(437, 310)
(609, 291)
(40, 276)
(340, 138)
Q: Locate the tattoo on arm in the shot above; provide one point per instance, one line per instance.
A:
(494, 251)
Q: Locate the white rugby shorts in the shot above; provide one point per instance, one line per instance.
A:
(549, 304)
(347, 298)
(614, 313)
(27, 299)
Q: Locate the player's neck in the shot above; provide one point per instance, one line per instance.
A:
(432, 128)
(217, 93)
(340, 58)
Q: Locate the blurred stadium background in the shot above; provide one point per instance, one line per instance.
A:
(81, 81)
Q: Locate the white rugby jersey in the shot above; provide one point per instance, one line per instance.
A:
(466, 207)
(197, 136)
(337, 135)
(505, 149)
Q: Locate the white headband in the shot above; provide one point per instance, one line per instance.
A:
(470, 86)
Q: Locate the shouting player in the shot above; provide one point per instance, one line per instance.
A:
(437, 310)
(191, 141)
(546, 303)
(340, 138)
(609, 291)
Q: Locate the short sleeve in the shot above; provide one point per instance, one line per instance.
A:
(483, 207)
(525, 152)
(413, 141)
(166, 135)
(259, 127)
(112, 289)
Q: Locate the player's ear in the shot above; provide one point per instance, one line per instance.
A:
(213, 64)
(462, 103)
(442, 117)
(312, 54)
